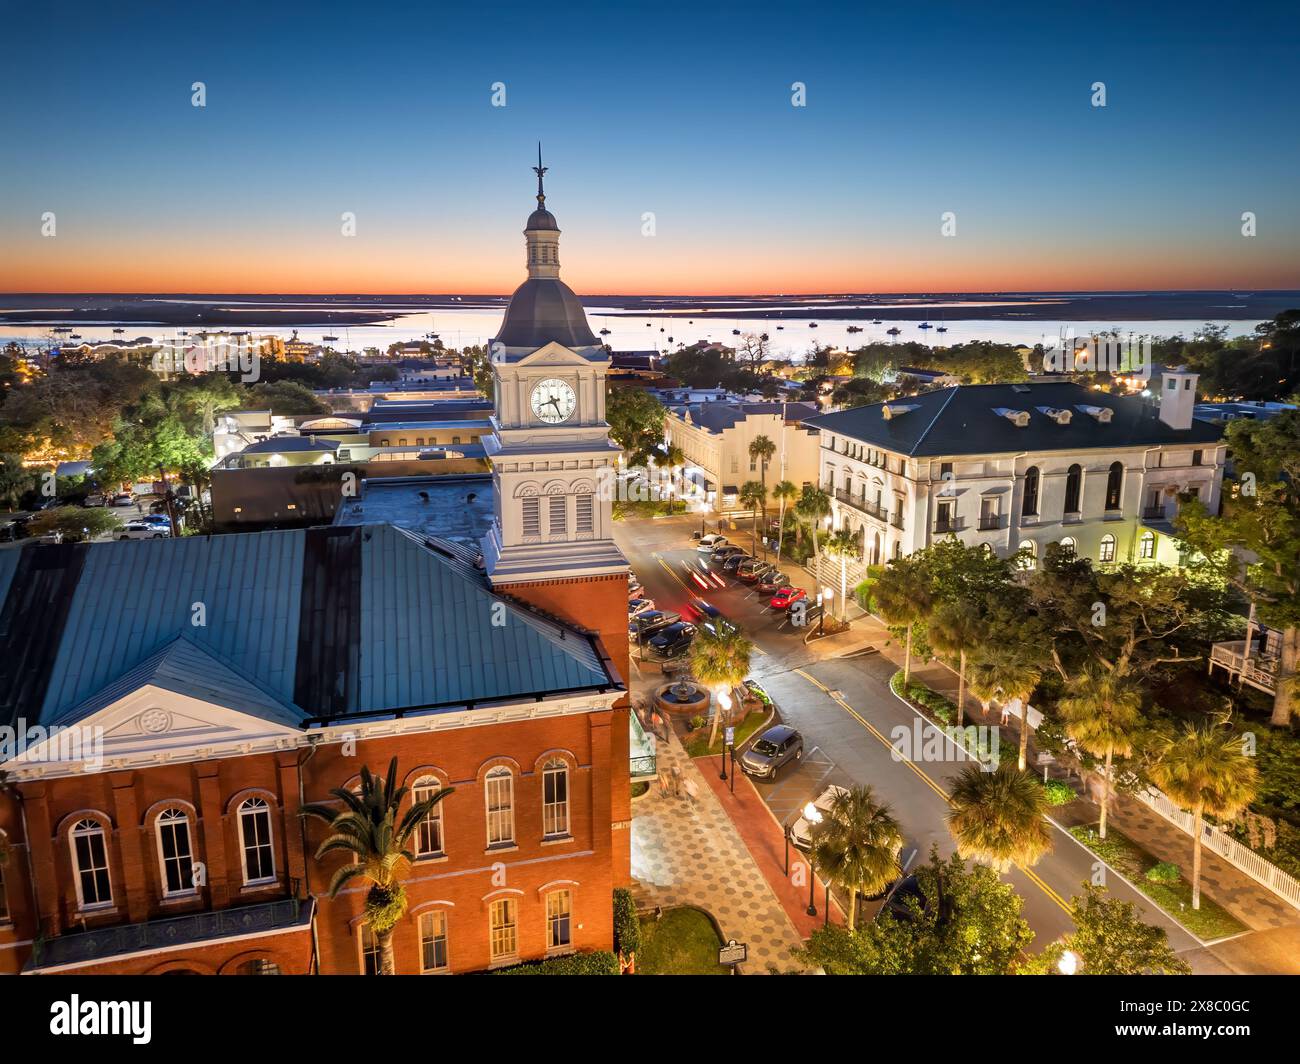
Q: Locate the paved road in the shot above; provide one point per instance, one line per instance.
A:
(848, 716)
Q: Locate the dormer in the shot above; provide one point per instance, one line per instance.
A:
(1100, 414)
(889, 411)
(1019, 418)
(1061, 417)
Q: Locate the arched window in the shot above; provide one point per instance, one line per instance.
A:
(1028, 555)
(559, 915)
(90, 864)
(503, 928)
(1147, 545)
(428, 833)
(1107, 551)
(1029, 505)
(433, 941)
(175, 852)
(1067, 547)
(555, 798)
(500, 798)
(1073, 484)
(259, 966)
(255, 841)
(1114, 485)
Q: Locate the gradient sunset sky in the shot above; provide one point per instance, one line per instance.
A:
(683, 110)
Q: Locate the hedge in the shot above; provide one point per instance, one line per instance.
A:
(627, 928)
(599, 962)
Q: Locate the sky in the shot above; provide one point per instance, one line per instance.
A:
(680, 111)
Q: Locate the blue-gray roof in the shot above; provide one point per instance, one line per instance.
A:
(299, 624)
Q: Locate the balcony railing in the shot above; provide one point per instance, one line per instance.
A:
(990, 524)
(1153, 513)
(1258, 670)
(955, 524)
(859, 502)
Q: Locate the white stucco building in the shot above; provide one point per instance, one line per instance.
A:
(1021, 466)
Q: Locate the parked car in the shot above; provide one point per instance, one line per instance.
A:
(721, 554)
(772, 751)
(749, 571)
(674, 640)
(645, 625)
(772, 581)
(708, 544)
(734, 561)
(142, 530)
(905, 898)
(634, 587)
(162, 520)
(122, 498)
(786, 597)
(95, 499)
(801, 829)
(704, 611)
(638, 606)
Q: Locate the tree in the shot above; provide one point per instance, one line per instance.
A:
(1110, 938)
(1005, 670)
(720, 660)
(785, 492)
(1102, 714)
(813, 505)
(72, 524)
(674, 458)
(761, 450)
(636, 423)
(901, 595)
(856, 844)
(843, 544)
(970, 923)
(752, 496)
(999, 817)
(1205, 769)
(956, 628)
(369, 830)
(15, 481)
(287, 398)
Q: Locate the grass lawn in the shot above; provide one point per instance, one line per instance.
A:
(1211, 921)
(699, 745)
(681, 942)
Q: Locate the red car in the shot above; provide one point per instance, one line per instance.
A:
(787, 597)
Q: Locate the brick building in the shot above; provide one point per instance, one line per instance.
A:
(170, 705)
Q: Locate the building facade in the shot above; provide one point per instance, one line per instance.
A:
(1018, 467)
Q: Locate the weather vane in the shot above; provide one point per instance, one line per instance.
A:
(539, 170)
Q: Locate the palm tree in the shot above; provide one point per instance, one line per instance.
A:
(752, 497)
(901, 595)
(998, 817)
(856, 844)
(843, 545)
(956, 629)
(761, 450)
(784, 492)
(1205, 770)
(813, 505)
(1102, 714)
(368, 828)
(674, 458)
(720, 660)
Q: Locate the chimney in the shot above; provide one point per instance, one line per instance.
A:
(1178, 397)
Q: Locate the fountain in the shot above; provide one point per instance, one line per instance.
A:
(683, 697)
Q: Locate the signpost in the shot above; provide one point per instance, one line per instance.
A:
(732, 954)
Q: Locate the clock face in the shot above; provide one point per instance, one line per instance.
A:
(553, 401)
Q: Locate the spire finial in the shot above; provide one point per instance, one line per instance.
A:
(539, 170)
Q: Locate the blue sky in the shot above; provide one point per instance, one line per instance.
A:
(683, 110)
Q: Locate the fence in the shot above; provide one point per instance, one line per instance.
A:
(1242, 857)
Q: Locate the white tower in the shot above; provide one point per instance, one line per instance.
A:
(552, 458)
(1178, 397)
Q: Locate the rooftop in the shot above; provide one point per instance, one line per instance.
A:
(457, 508)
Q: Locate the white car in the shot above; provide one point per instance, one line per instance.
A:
(638, 606)
(801, 829)
(708, 544)
(143, 530)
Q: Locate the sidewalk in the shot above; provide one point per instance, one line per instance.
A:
(686, 853)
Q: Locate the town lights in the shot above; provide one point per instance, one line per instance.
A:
(1069, 963)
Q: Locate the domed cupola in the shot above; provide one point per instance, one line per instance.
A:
(544, 309)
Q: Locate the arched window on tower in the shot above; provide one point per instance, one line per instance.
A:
(1114, 485)
(1029, 505)
(1073, 487)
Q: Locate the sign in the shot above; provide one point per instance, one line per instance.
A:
(733, 953)
(730, 739)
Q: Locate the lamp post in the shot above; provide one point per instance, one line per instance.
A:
(1069, 963)
(814, 817)
(826, 596)
(724, 703)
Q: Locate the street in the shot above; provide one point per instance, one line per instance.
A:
(841, 702)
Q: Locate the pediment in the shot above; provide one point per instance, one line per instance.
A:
(553, 354)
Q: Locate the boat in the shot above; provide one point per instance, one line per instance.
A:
(812, 325)
(942, 328)
(735, 332)
(329, 339)
(854, 328)
(876, 321)
(894, 332)
(925, 325)
(604, 332)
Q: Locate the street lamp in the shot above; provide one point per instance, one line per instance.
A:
(814, 817)
(724, 703)
(827, 595)
(1069, 963)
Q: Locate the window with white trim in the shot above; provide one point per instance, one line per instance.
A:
(555, 798)
(433, 941)
(428, 833)
(559, 912)
(1147, 545)
(503, 930)
(90, 863)
(1068, 547)
(255, 841)
(532, 516)
(370, 964)
(500, 797)
(259, 966)
(175, 853)
(1107, 551)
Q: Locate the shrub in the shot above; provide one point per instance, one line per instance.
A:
(1058, 792)
(697, 722)
(627, 928)
(599, 962)
(1164, 872)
